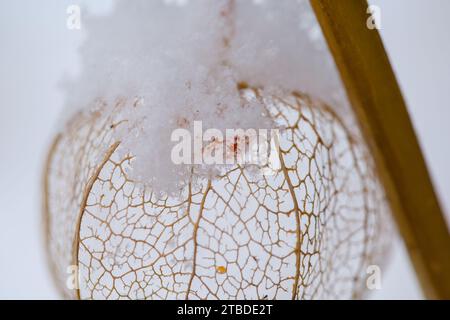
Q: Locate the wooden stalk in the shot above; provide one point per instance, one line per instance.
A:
(379, 106)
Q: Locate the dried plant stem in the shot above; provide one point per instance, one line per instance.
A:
(380, 108)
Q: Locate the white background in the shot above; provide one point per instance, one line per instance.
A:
(36, 49)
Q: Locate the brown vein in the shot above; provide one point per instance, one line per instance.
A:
(196, 226)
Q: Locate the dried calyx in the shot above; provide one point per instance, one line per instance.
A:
(308, 231)
(133, 224)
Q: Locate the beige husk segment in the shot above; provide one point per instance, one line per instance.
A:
(299, 234)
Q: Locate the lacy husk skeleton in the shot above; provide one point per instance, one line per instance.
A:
(309, 231)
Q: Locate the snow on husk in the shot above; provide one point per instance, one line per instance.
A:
(181, 61)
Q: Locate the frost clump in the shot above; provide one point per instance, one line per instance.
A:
(175, 62)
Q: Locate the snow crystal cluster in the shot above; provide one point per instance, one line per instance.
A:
(182, 61)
